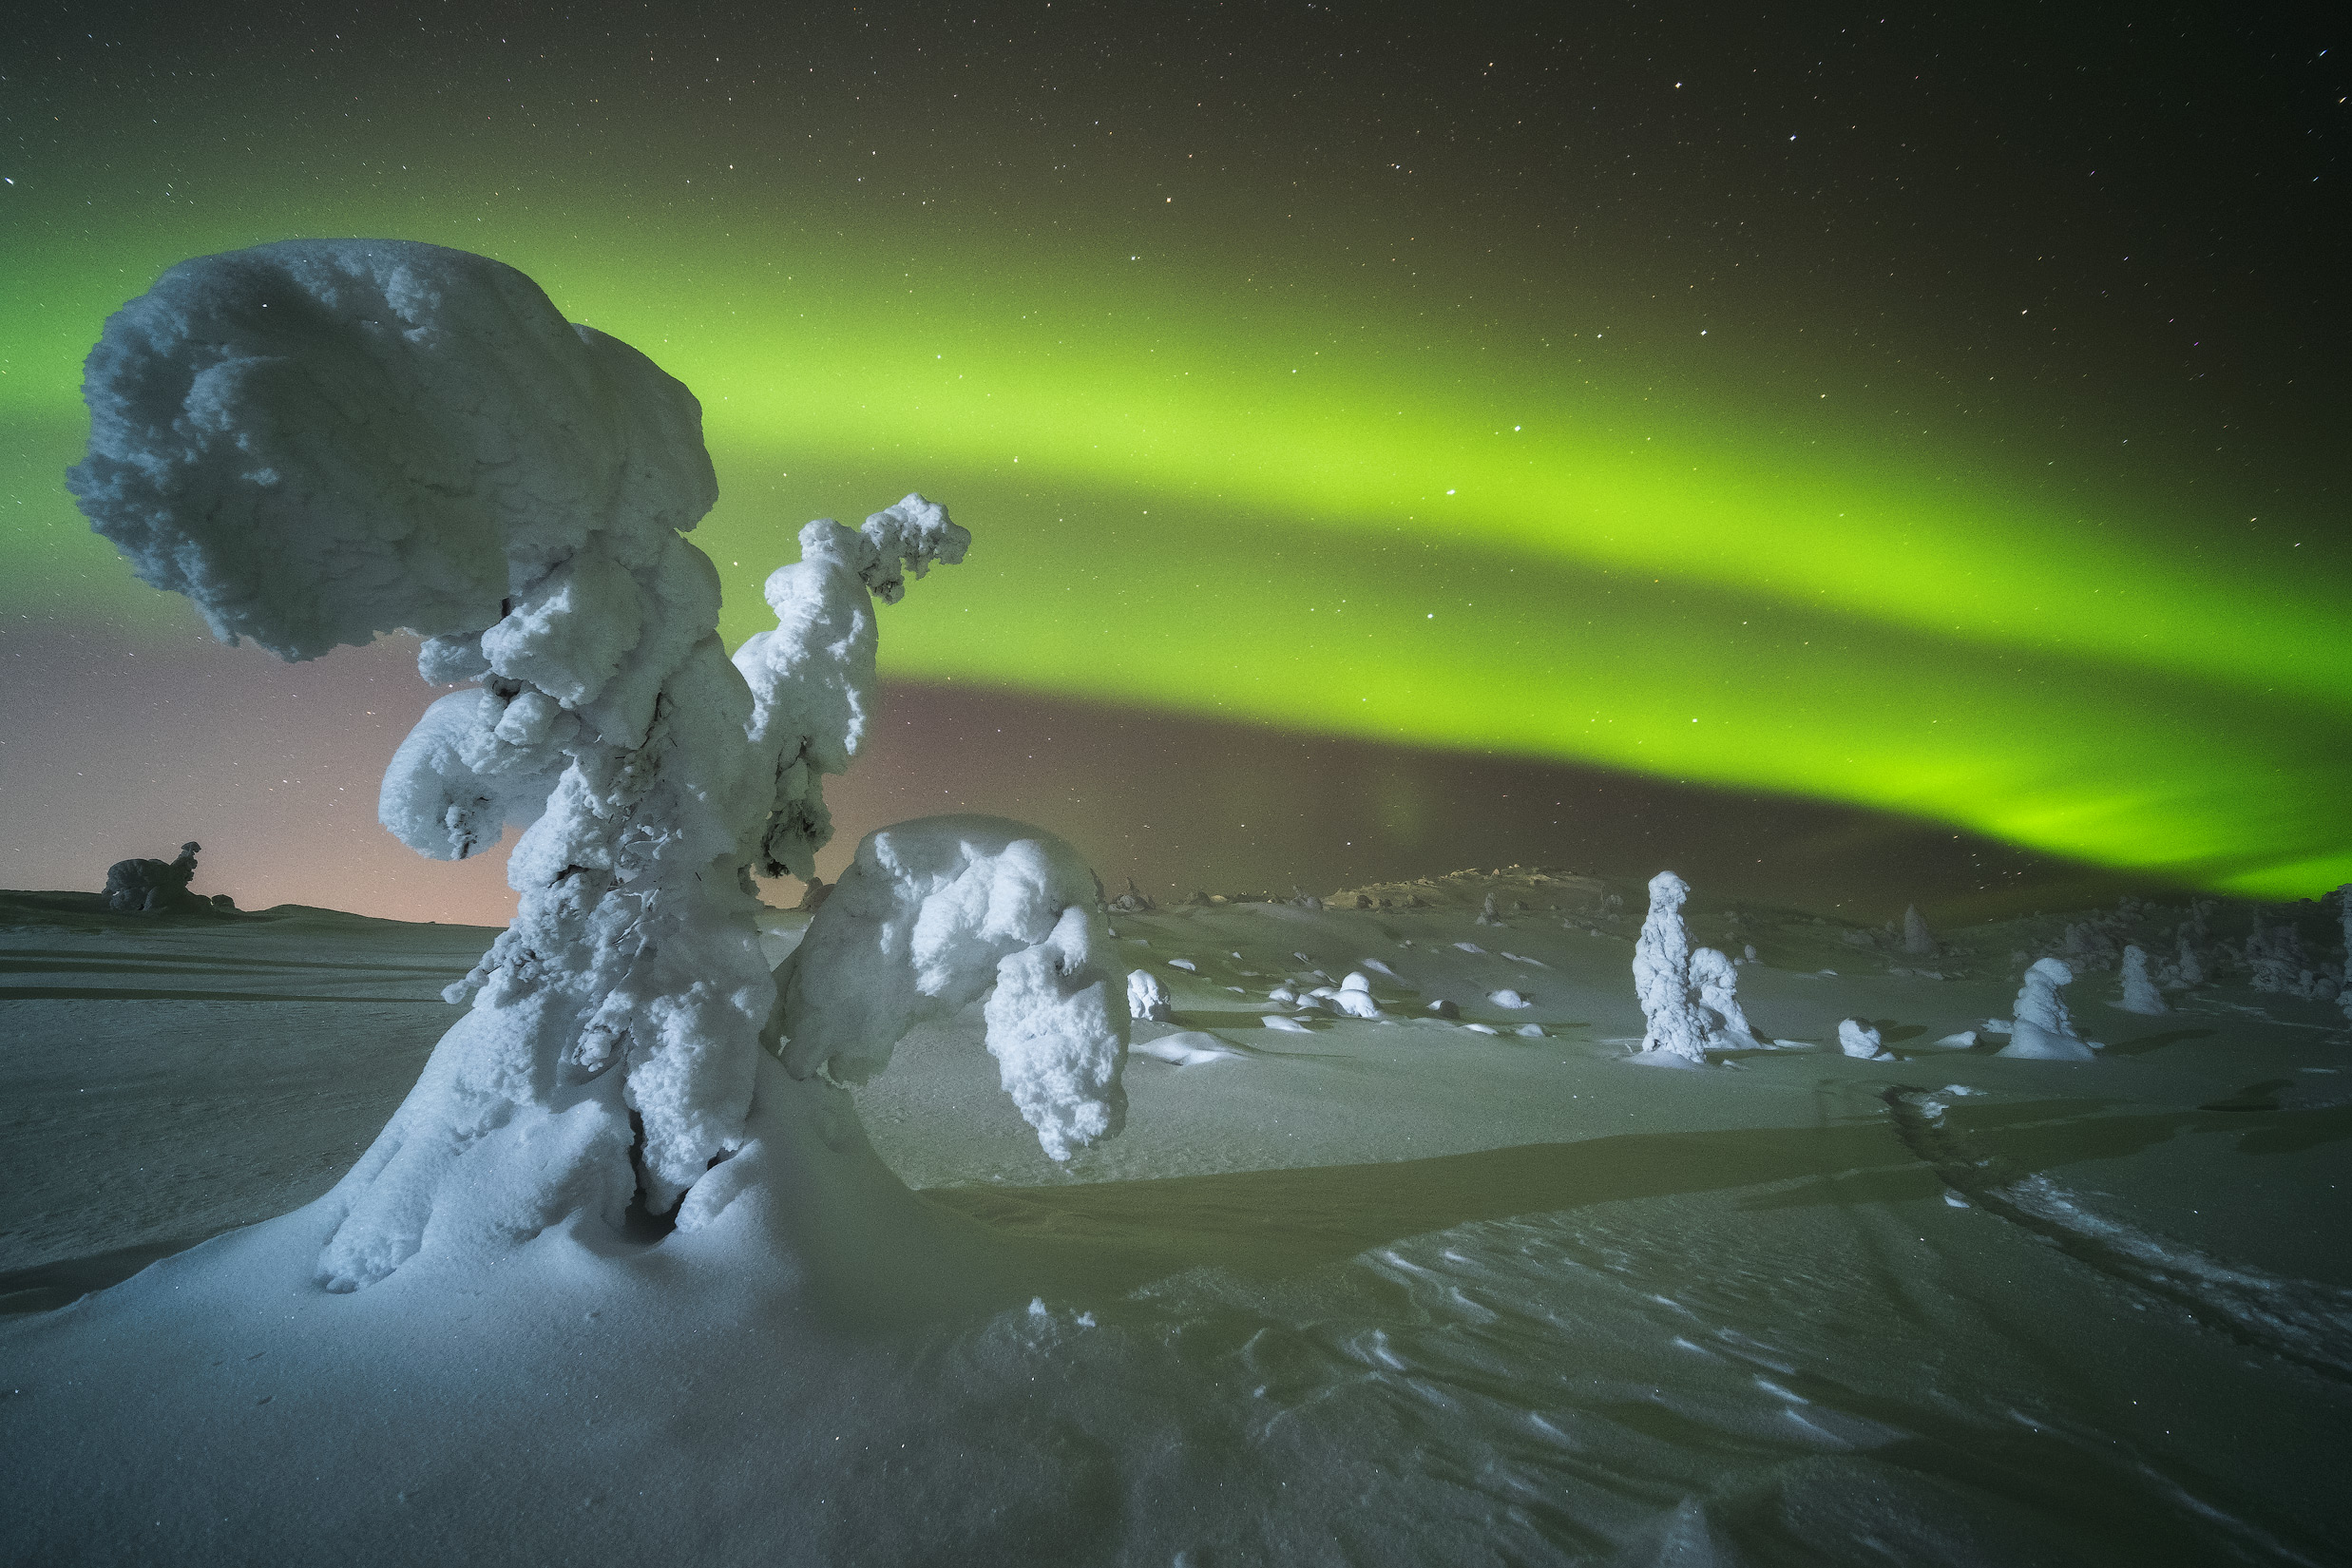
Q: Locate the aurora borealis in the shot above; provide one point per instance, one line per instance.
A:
(1928, 416)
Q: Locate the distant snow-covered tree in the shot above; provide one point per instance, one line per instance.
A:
(1715, 981)
(145, 887)
(2274, 959)
(2139, 991)
(1917, 938)
(320, 441)
(2043, 1030)
(1689, 999)
(1662, 977)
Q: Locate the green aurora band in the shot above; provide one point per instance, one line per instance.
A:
(1289, 506)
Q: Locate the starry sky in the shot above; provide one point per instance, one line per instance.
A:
(1851, 455)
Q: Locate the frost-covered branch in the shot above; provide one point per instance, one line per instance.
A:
(931, 913)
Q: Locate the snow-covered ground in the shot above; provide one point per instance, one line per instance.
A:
(1360, 1290)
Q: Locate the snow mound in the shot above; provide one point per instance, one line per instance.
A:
(1857, 1039)
(1188, 1048)
(1354, 998)
(1146, 997)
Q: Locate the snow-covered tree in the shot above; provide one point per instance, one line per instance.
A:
(1689, 999)
(2192, 968)
(2042, 1030)
(2274, 959)
(320, 441)
(2139, 991)
(1716, 979)
(144, 886)
(1917, 938)
(2343, 914)
(1662, 976)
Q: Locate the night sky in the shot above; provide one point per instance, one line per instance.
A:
(1866, 456)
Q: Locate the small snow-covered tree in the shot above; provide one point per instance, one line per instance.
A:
(2192, 968)
(2042, 1030)
(1662, 975)
(1917, 938)
(144, 886)
(1689, 999)
(2139, 991)
(320, 441)
(2274, 958)
(1716, 979)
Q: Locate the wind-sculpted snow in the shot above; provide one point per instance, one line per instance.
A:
(929, 914)
(322, 440)
(318, 441)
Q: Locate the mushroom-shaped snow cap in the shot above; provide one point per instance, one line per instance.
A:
(325, 439)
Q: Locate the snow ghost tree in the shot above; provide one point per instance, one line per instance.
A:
(1687, 999)
(2042, 1030)
(1917, 938)
(324, 440)
(1716, 979)
(144, 886)
(2139, 991)
(1662, 976)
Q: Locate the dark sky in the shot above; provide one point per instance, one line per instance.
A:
(2052, 294)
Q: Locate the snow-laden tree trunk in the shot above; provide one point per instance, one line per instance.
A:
(319, 441)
